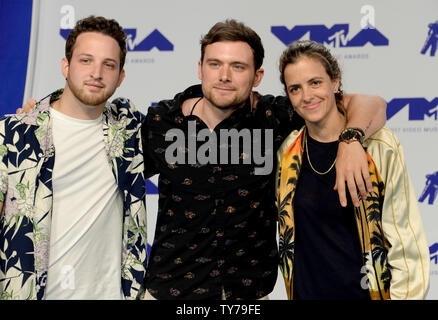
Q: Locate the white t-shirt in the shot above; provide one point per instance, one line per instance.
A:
(87, 221)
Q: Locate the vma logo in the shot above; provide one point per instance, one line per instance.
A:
(154, 40)
(431, 40)
(337, 35)
(433, 253)
(430, 190)
(419, 108)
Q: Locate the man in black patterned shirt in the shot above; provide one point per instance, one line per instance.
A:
(216, 227)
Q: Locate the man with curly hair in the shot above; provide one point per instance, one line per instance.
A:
(72, 183)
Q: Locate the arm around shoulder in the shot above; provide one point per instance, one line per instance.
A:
(120, 104)
(367, 112)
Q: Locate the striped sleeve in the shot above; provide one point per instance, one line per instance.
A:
(401, 221)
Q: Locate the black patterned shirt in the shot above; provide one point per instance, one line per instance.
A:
(216, 222)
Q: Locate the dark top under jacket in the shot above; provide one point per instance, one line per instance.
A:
(328, 259)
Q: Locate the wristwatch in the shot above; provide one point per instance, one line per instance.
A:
(349, 135)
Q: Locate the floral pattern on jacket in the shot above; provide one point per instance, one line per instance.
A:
(27, 158)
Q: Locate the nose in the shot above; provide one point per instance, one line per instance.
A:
(96, 72)
(225, 74)
(307, 94)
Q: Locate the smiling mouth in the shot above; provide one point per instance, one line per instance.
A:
(224, 89)
(312, 106)
(95, 85)
(223, 92)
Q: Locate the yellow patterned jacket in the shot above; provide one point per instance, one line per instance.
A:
(394, 247)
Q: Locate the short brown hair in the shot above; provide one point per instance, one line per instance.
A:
(232, 30)
(109, 27)
(315, 50)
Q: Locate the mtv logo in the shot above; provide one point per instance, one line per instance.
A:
(154, 40)
(337, 35)
(419, 108)
(432, 251)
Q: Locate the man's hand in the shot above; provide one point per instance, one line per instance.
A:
(30, 104)
(369, 113)
(352, 169)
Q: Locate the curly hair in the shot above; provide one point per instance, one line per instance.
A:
(102, 25)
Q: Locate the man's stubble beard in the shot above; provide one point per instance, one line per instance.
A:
(87, 99)
(232, 105)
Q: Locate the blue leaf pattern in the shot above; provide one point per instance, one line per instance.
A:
(27, 158)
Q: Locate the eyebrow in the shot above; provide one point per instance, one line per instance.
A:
(232, 63)
(315, 78)
(294, 85)
(91, 56)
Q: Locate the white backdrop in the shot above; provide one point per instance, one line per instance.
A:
(164, 51)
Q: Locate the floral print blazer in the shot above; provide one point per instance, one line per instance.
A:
(27, 157)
